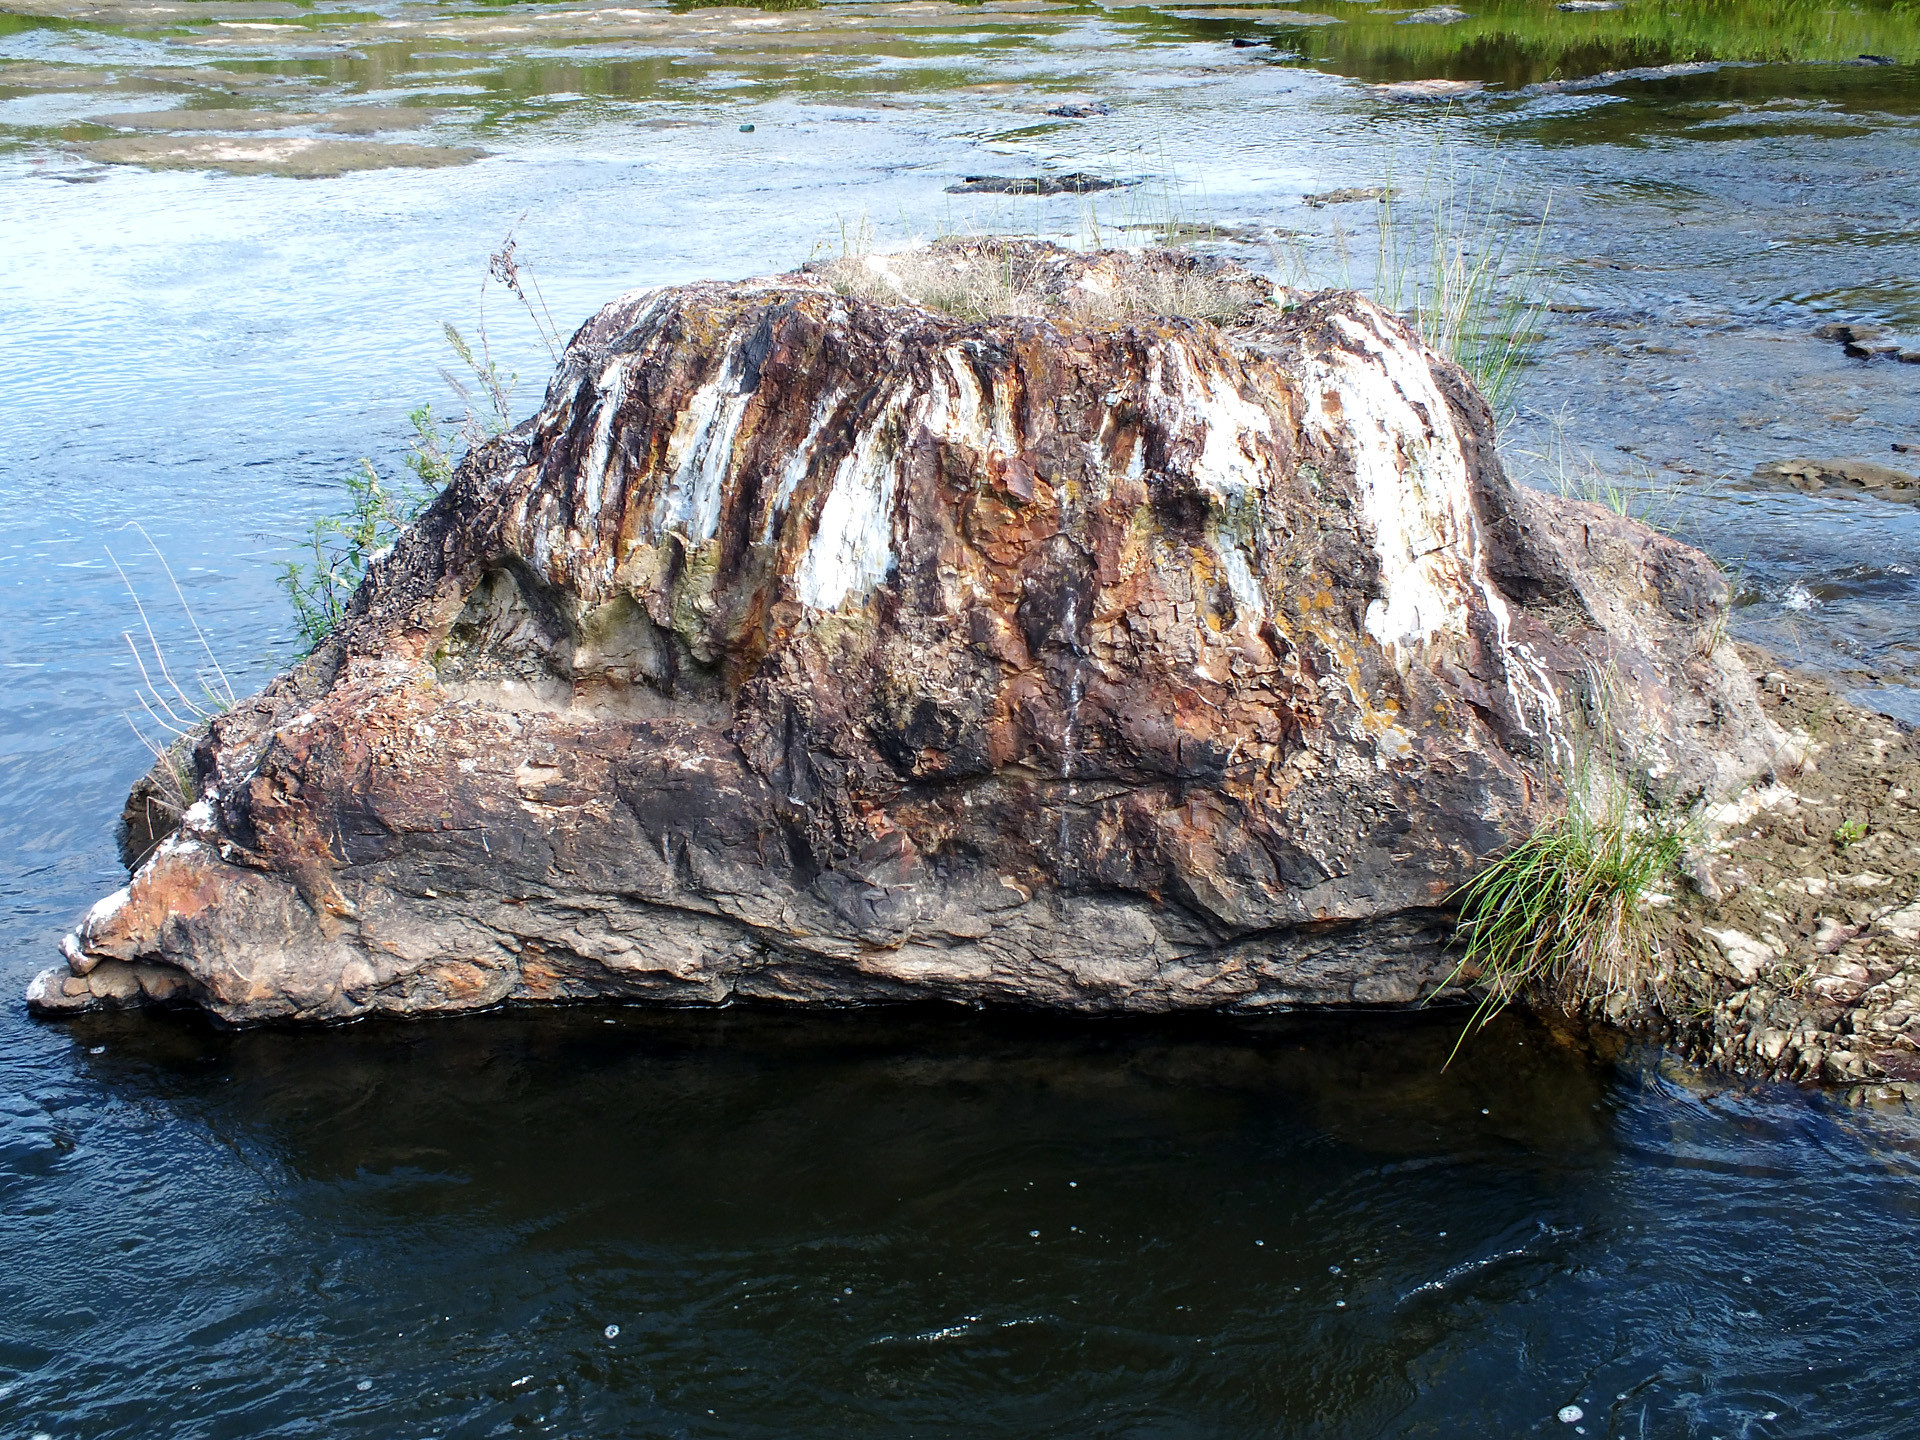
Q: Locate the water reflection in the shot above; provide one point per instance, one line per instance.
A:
(803, 1223)
(504, 64)
(1516, 43)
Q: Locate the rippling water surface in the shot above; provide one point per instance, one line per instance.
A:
(745, 1224)
(809, 1224)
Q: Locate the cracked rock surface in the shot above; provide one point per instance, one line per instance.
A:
(812, 647)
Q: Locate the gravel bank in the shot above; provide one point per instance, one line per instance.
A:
(1795, 957)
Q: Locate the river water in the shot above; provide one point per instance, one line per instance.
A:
(911, 1223)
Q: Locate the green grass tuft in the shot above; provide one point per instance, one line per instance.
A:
(1563, 913)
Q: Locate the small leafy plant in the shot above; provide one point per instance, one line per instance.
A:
(344, 543)
(1563, 910)
(341, 545)
(1849, 833)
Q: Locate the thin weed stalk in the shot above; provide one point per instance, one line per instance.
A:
(1565, 469)
(175, 713)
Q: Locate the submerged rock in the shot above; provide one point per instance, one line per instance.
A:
(1074, 184)
(1382, 193)
(1429, 89)
(817, 647)
(308, 156)
(1845, 476)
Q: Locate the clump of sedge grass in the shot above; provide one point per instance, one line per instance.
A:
(1563, 913)
(1450, 257)
(1470, 292)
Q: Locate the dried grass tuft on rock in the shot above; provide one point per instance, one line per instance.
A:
(992, 278)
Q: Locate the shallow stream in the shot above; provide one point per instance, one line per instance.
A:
(809, 1225)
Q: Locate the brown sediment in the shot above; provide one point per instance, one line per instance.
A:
(348, 120)
(188, 79)
(55, 77)
(155, 13)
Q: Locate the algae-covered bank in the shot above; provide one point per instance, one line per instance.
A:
(1113, 657)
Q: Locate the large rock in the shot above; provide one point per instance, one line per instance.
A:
(814, 646)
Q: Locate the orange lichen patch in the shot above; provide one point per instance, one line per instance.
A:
(463, 982)
(541, 980)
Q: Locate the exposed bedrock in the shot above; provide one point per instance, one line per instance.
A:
(813, 648)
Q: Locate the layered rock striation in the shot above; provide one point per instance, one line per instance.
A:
(812, 644)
